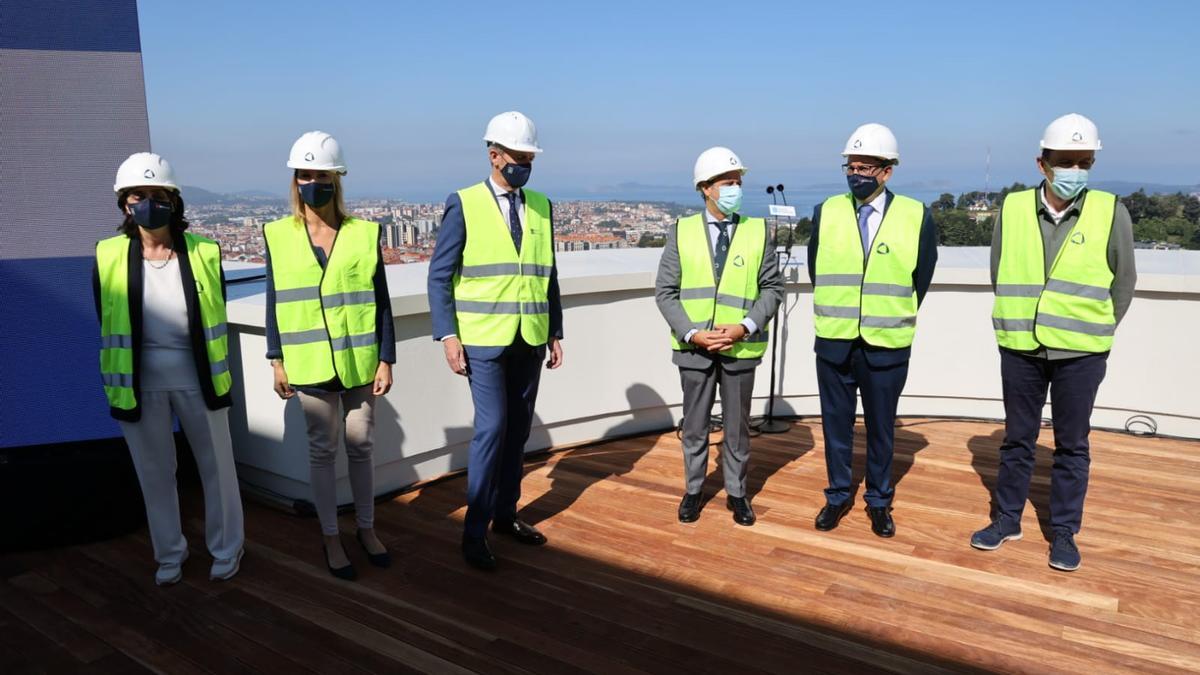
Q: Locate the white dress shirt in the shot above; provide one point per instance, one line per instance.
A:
(502, 200)
(875, 218)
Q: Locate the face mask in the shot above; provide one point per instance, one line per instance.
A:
(729, 199)
(1068, 183)
(316, 194)
(516, 175)
(151, 214)
(862, 186)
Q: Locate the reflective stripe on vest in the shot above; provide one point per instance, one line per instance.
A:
(498, 290)
(872, 298)
(708, 304)
(1070, 310)
(116, 331)
(326, 317)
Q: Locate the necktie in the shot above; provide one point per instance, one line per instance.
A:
(514, 220)
(722, 250)
(865, 212)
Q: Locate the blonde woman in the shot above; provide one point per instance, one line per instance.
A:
(160, 298)
(330, 335)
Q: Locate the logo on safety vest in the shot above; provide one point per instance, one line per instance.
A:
(308, 157)
(738, 261)
(1077, 238)
(882, 249)
(149, 173)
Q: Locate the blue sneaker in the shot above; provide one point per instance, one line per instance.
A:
(991, 537)
(1064, 554)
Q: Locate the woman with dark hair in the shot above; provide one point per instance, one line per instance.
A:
(160, 298)
(330, 336)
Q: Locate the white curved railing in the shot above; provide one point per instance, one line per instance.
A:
(618, 379)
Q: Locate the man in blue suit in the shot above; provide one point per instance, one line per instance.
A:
(495, 306)
(871, 259)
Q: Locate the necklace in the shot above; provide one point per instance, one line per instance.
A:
(164, 263)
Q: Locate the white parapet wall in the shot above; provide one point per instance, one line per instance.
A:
(617, 378)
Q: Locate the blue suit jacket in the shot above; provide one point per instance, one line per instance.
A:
(446, 261)
(837, 351)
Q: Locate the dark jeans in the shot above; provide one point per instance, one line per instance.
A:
(1072, 385)
(839, 385)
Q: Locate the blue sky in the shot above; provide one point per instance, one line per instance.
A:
(626, 92)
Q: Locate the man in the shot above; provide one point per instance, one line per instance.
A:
(871, 259)
(718, 286)
(1063, 274)
(494, 302)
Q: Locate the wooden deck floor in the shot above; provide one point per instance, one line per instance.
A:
(623, 587)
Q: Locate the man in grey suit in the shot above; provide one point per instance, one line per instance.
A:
(718, 287)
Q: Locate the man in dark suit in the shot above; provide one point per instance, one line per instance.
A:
(495, 306)
(871, 259)
(718, 287)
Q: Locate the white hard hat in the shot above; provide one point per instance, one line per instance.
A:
(873, 140)
(714, 162)
(318, 151)
(514, 131)
(1071, 132)
(145, 168)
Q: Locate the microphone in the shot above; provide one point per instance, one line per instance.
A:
(771, 191)
(779, 189)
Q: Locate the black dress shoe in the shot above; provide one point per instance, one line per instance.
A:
(478, 554)
(742, 513)
(831, 515)
(689, 508)
(881, 520)
(383, 560)
(520, 530)
(346, 573)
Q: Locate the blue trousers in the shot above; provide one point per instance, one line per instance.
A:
(1072, 384)
(504, 385)
(839, 385)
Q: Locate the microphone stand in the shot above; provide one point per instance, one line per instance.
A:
(768, 424)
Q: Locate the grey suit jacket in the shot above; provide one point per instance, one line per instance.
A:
(666, 294)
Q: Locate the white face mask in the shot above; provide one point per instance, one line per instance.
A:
(1068, 183)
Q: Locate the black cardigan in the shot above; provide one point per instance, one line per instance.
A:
(195, 324)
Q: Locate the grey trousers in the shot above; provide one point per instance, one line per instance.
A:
(699, 393)
(152, 447)
(330, 417)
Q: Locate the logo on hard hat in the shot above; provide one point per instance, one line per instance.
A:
(738, 261)
(1077, 137)
(882, 249)
(148, 174)
(308, 157)
(857, 143)
(1077, 238)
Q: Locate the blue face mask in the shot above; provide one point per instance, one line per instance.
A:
(729, 198)
(316, 194)
(151, 214)
(862, 186)
(516, 175)
(1068, 183)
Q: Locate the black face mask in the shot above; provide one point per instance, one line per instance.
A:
(151, 213)
(862, 186)
(316, 194)
(516, 175)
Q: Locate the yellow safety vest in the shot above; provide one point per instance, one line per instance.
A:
(709, 303)
(116, 330)
(499, 290)
(326, 317)
(1072, 309)
(873, 297)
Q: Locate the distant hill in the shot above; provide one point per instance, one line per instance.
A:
(1125, 187)
(200, 197)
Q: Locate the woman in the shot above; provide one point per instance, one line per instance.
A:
(160, 298)
(330, 335)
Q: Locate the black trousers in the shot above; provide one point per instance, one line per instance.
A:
(1072, 384)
